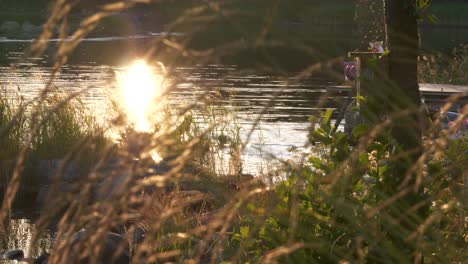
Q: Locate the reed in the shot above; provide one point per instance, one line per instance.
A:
(12, 124)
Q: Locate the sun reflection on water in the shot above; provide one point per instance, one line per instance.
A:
(140, 88)
(140, 98)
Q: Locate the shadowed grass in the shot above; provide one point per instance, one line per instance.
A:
(12, 124)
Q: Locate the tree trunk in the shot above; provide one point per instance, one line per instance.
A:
(401, 219)
(403, 43)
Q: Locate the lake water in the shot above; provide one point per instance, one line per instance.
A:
(283, 125)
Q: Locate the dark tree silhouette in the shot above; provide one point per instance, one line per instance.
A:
(408, 210)
(402, 37)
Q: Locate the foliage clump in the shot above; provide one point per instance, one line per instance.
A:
(336, 207)
(445, 69)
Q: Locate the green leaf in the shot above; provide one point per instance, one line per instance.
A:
(372, 62)
(432, 18)
(385, 53)
(360, 130)
(361, 98)
(363, 158)
(382, 170)
(424, 3)
(327, 116)
(244, 231)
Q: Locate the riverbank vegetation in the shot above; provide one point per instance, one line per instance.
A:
(63, 131)
(49, 128)
(442, 68)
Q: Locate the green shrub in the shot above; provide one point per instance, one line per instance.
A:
(439, 68)
(448, 168)
(338, 207)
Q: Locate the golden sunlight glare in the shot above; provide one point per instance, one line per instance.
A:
(155, 156)
(139, 88)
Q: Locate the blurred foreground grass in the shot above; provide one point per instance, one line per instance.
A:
(331, 206)
(334, 205)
